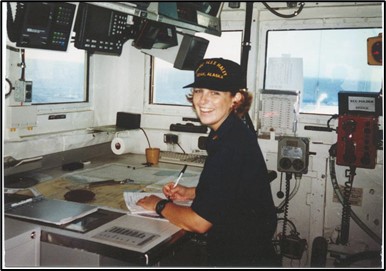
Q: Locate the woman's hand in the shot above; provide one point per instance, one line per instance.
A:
(149, 202)
(179, 192)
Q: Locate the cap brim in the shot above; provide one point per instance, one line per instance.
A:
(189, 86)
(214, 86)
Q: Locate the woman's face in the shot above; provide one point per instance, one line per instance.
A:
(213, 107)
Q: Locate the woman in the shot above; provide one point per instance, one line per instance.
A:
(232, 202)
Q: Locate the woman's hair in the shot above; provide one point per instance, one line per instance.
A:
(240, 108)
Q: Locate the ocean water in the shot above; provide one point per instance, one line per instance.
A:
(54, 82)
(58, 83)
(321, 95)
(325, 90)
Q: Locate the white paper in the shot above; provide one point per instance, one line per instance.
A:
(131, 199)
(285, 73)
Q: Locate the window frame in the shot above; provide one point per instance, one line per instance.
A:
(177, 110)
(335, 30)
(68, 107)
(161, 109)
(82, 111)
(299, 24)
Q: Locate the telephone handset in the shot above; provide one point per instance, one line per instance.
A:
(43, 25)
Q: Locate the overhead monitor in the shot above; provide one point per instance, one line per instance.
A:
(100, 29)
(42, 25)
(193, 16)
(152, 34)
(192, 50)
(190, 11)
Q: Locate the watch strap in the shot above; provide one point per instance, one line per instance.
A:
(161, 206)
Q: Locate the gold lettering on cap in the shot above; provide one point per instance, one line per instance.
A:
(216, 75)
(221, 68)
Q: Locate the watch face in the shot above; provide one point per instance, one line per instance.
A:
(376, 51)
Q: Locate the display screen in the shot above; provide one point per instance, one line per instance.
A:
(191, 52)
(188, 10)
(100, 29)
(98, 22)
(40, 21)
(205, 14)
(291, 152)
(43, 25)
(152, 34)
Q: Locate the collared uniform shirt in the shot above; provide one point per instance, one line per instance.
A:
(234, 194)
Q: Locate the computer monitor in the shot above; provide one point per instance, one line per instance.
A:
(152, 34)
(192, 50)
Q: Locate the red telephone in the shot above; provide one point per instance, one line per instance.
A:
(357, 141)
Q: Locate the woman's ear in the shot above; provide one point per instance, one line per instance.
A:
(237, 98)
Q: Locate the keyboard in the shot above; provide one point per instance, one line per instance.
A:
(195, 160)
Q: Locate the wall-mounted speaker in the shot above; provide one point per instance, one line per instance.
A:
(292, 154)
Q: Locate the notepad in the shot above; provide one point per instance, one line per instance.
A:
(50, 211)
(131, 199)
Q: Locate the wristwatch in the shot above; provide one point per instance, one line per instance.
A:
(161, 206)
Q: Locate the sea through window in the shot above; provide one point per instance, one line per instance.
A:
(333, 60)
(57, 77)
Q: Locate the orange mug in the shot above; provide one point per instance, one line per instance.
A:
(152, 155)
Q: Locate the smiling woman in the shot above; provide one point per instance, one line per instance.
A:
(232, 202)
(168, 81)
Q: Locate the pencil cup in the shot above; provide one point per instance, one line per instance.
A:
(152, 155)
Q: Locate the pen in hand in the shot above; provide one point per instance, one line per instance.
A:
(179, 177)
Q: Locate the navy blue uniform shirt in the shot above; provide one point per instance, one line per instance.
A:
(234, 194)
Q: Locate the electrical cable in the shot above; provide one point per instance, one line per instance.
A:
(291, 246)
(290, 223)
(296, 13)
(286, 200)
(356, 219)
(285, 216)
(335, 116)
(181, 147)
(345, 225)
(291, 195)
(10, 87)
(148, 142)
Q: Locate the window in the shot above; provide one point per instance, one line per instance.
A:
(167, 87)
(333, 60)
(50, 72)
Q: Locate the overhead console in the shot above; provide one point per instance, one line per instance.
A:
(105, 26)
(101, 29)
(193, 16)
(43, 25)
